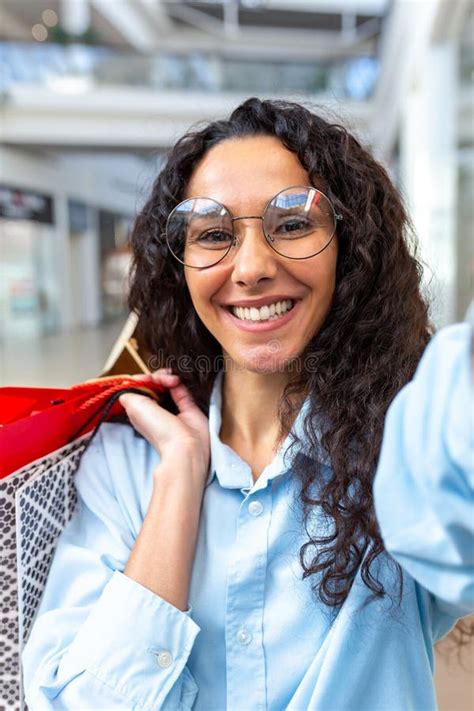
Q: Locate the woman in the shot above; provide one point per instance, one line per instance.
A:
(228, 555)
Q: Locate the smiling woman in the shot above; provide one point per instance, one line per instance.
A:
(242, 537)
(244, 174)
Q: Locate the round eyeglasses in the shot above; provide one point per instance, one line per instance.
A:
(298, 223)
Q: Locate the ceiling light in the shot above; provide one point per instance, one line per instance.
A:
(39, 32)
(50, 18)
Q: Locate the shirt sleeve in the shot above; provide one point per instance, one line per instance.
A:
(100, 640)
(424, 485)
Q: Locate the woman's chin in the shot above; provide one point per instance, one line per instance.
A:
(265, 363)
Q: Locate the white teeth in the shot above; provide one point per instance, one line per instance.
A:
(265, 313)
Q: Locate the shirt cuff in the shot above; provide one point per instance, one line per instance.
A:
(133, 641)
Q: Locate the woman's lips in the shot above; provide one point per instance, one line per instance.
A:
(261, 326)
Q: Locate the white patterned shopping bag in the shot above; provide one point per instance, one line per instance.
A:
(36, 503)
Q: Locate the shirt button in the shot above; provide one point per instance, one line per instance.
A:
(164, 659)
(255, 508)
(244, 636)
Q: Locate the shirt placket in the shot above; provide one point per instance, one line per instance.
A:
(246, 681)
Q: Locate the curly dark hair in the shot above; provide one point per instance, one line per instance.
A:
(367, 348)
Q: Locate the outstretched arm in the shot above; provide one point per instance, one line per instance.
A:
(424, 486)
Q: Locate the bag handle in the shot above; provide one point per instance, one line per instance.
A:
(116, 385)
(112, 399)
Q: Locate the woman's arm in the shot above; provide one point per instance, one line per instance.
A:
(163, 554)
(424, 486)
(104, 638)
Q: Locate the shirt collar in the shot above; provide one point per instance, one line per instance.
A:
(230, 469)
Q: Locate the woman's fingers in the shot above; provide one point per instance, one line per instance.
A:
(156, 423)
(158, 375)
(181, 395)
(151, 420)
(182, 398)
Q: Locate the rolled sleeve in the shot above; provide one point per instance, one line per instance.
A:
(133, 641)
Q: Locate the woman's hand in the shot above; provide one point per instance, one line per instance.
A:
(162, 556)
(182, 440)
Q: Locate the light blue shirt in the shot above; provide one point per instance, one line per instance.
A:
(255, 637)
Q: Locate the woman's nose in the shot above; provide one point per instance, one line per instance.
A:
(253, 259)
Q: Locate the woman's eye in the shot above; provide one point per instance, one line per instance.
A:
(213, 237)
(295, 225)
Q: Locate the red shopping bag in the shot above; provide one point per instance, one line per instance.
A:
(37, 421)
(43, 435)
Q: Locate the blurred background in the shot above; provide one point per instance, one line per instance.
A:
(93, 92)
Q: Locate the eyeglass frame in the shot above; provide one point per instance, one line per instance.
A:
(268, 239)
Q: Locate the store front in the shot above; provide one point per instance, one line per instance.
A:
(29, 288)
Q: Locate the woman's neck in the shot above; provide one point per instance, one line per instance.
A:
(250, 408)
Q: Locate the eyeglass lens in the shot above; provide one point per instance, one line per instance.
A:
(298, 223)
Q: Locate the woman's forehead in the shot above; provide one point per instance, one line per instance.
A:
(242, 170)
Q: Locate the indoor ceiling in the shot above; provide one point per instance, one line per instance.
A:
(286, 28)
